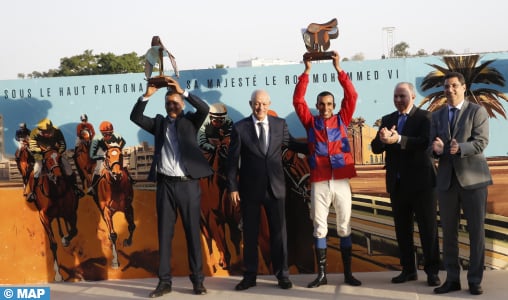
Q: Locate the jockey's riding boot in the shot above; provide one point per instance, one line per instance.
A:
(346, 260)
(77, 191)
(90, 191)
(32, 196)
(321, 276)
(130, 177)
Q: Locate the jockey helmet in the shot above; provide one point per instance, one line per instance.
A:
(106, 127)
(218, 112)
(46, 127)
(83, 117)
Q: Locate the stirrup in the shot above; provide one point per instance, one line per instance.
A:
(31, 197)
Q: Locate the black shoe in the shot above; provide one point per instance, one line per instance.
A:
(199, 288)
(475, 289)
(78, 192)
(448, 286)
(245, 284)
(405, 276)
(351, 280)
(162, 288)
(433, 280)
(31, 197)
(284, 283)
(319, 281)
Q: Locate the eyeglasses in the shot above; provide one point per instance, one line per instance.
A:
(453, 86)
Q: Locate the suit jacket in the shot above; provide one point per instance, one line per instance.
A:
(187, 126)
(249, 169)
(472, 133)
(409, 160)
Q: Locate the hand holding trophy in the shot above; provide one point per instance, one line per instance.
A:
(154, 56)
(317, 40)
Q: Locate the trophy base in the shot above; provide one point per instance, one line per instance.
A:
(318, 55)
(159, 81)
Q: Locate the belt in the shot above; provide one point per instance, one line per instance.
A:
(175, 178)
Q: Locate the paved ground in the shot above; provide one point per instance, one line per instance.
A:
(376, 285)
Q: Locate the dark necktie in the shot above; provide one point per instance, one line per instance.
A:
(453, 116)
(401, 122)
(262, 137)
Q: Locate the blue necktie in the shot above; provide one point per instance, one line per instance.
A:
(452, 117)
(401, 122)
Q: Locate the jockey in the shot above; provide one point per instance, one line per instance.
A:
(45, 137)
(215, 128)
(22, 134)
(84, 125)
(99, 148)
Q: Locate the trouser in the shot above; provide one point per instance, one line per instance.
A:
(473, 203)
(184, 197)
(338, 193)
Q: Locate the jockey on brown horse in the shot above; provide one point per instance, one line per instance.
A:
(85, 133)
(24, 159)
(84, 125)
(99, 148)
(45, 137)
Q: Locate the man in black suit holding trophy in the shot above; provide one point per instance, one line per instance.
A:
(177, 166)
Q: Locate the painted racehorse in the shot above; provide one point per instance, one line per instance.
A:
(217, 211)
(84, 163)
(24, 162)
(299, 223)
(114, 193)
(55, 199)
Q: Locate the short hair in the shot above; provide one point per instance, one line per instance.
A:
(454, 74)
(258, 91)
(170, 92)
(323, 94)
(409, 85)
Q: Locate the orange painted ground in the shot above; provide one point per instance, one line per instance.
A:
(25, 256)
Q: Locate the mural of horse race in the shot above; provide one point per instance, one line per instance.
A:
(110, 231)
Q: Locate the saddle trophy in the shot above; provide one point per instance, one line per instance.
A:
(317, 39)
(155, 56)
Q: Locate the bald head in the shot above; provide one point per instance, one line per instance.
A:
(260, 104)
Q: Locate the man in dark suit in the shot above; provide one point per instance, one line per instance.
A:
(256, 179)
(459, 135)
(410, 181)
(177, 166)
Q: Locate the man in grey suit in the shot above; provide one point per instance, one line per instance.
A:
(459, 135)
(177, 166)
(256, 179)
(410, 179)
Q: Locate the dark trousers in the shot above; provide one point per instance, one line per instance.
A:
(473, 203)
(408, 205)
(182, 197)
(275, 212)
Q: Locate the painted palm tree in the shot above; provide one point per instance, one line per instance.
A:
(482, 74)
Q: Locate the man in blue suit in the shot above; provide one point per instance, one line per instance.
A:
(256, 179)
(177, 166)
(459, 135)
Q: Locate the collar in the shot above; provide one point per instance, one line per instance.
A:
(459, 106)
(264, 122)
